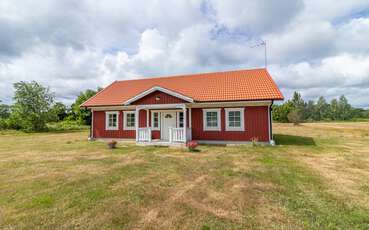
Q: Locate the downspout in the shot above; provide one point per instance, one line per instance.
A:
(270, 124)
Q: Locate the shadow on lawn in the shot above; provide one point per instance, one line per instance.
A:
(282, 139)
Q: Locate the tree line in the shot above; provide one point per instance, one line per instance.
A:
(35, 106)
(297, 110)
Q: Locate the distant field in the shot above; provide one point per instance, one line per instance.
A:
(316, 178)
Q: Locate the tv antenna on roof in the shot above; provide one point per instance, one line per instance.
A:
(263, 43)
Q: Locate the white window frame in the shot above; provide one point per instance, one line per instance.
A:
(107, 127)
(125, 127)
(242, 119)
(205, 127)
(178, 118)
(152, 120)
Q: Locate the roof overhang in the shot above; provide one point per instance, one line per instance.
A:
(161, 89)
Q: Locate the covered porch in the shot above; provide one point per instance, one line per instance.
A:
(166, 124)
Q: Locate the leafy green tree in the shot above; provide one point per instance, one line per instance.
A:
(32, 106)
(333, 110)
(309, 111)
(83, 116)
(58, 111)
(297, 101)
(4, 111)
(321, 109)
(280, 112)
(344, 108)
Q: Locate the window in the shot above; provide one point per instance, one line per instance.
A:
(129, 120)
(155, 120)
(235, 119)
(111, 120)
(180, 118)
(211, 119)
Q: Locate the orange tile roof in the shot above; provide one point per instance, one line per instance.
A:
(239, 85)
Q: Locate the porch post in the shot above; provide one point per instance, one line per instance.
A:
(189, 118)
(137, 114)
(184, 123)
(147, 118)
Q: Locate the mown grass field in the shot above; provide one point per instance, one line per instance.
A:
(316, 178)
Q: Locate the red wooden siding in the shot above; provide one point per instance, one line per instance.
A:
(256, 125)
(164, 99)
(99, 130)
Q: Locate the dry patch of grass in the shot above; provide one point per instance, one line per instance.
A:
(316, 178)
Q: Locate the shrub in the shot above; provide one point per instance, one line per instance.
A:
(3, 124)
(294, 117)
(112, 144)
(66, 126)
(191, 145)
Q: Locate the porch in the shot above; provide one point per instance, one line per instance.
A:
(171, 121)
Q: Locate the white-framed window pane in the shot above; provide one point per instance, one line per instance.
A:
(111, 120)
(234, 119)
(130, 120)
(180, 119)
(155, 120)
(211, 119)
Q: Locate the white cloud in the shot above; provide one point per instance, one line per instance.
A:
(255, 16)
(332, 77)
(317, 47)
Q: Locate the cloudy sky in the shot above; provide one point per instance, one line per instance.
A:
(318, 47)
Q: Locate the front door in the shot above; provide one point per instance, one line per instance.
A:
(168, 120)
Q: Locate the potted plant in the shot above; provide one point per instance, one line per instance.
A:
(191, 145)
(112, 144)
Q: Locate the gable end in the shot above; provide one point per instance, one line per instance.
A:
(146, 97)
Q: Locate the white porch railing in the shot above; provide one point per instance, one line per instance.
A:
(178, 134)
(144, 135)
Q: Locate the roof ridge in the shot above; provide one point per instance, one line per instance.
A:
(191, 75)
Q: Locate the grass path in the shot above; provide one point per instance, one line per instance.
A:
(318, 178)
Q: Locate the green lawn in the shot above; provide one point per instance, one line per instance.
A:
(317, 178)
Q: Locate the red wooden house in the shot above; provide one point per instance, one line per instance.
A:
(221, 107)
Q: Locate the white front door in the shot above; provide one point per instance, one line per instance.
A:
(168, 120)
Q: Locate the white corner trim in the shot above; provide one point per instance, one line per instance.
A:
(125, 120)
(242, 114)
(157, 88)
(217, 128)
(107, 127)
(152, 120)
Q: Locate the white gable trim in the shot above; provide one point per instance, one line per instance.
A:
(157, 88)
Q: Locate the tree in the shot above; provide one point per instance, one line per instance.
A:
(344, 108)
(83, 115)
(309, 111)
(280, 112)
(32, 105)
(4, 111)
(297, 101)
(322, 109)
(58, 111)
(333, 110)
